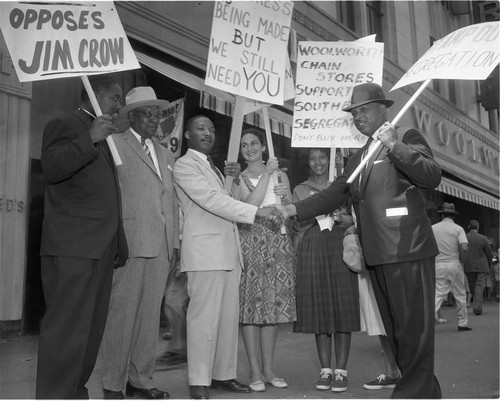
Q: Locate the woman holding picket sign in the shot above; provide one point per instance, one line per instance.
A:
(327, 291)
(267, 289)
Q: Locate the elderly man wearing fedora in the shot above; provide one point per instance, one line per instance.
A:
(151, 222)
(450, 277)
(395, 234)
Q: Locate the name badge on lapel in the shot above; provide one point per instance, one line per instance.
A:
(396, 211)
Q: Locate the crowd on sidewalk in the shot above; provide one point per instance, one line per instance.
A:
(214, 252)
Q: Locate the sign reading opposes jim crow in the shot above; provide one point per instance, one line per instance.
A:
(58, 40)
(326, 74)
(248, 49)
(467, 53)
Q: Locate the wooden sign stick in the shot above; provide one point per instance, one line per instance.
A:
(377, 143)
(235, 136)
(97, 109)
(332, 173)
(270, 149)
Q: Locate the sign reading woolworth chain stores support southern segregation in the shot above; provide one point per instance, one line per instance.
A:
(326, 74)
(248, 49)
(58, 40)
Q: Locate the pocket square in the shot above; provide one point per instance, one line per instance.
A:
(170, 167)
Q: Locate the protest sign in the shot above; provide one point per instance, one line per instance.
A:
(170, 130)
(471, 52)
(326, 74)
(58, 40)
(248, 49)
(467, 53)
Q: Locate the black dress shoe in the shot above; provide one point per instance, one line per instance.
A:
(198, 392)
(231, 385)
(147, 394)
(464, 328)
(112, 395)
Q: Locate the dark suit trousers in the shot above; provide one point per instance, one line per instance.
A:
(77, 292)
(405, 295)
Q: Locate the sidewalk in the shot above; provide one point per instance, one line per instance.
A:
(467, 364)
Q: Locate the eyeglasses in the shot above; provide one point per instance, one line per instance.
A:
(149, 114)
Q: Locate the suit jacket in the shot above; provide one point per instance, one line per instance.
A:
(82, 209)
(390, 209)
(210, 239)
(150, 207)
(480, 255)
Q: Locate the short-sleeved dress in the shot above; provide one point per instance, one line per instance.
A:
(267, 287)
(326, 289)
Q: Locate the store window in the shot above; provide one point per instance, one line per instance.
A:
(347, 14)
(374, 16)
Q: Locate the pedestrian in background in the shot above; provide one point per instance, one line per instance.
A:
(82, 240)
(327, 291)
(450, 277)
(151, 222)
(477, 265)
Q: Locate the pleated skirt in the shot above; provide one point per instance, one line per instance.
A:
(327, 290)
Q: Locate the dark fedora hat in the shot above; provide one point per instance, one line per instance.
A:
(367, 93)
(448, 208)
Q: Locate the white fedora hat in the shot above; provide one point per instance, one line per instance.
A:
(142, 96)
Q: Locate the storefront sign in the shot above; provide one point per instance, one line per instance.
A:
(248, 49)
(58, 40)
(326, 74)
(468, 53)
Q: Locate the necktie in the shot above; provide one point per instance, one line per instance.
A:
(211, 162)
(146, 148)
(365, 152)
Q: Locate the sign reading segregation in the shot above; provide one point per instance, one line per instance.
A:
(471, 52)
(60, 40)
(248, 49)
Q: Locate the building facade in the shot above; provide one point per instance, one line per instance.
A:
(459, 118)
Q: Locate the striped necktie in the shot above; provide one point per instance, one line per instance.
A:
(146, 148)
(211, 162)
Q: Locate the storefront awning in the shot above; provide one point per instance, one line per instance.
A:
(217, 100)
(467, 193)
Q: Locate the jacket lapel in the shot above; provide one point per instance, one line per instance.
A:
(132, 141)
(204, 164)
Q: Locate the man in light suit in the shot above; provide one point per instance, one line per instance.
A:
(395, 233)
(151, 222)
(211, 256)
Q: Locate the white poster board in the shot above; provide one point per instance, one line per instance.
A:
(48, 41)
(248, 49)
(326, 74)
(467, 53)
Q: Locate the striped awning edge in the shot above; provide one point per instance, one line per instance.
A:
(215, 99)
(467, 193)
(279, 120)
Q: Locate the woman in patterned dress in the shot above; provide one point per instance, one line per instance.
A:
(267, 289)
(327, 290)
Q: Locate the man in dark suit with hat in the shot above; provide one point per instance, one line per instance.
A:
(395, 234)
(452, 243)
